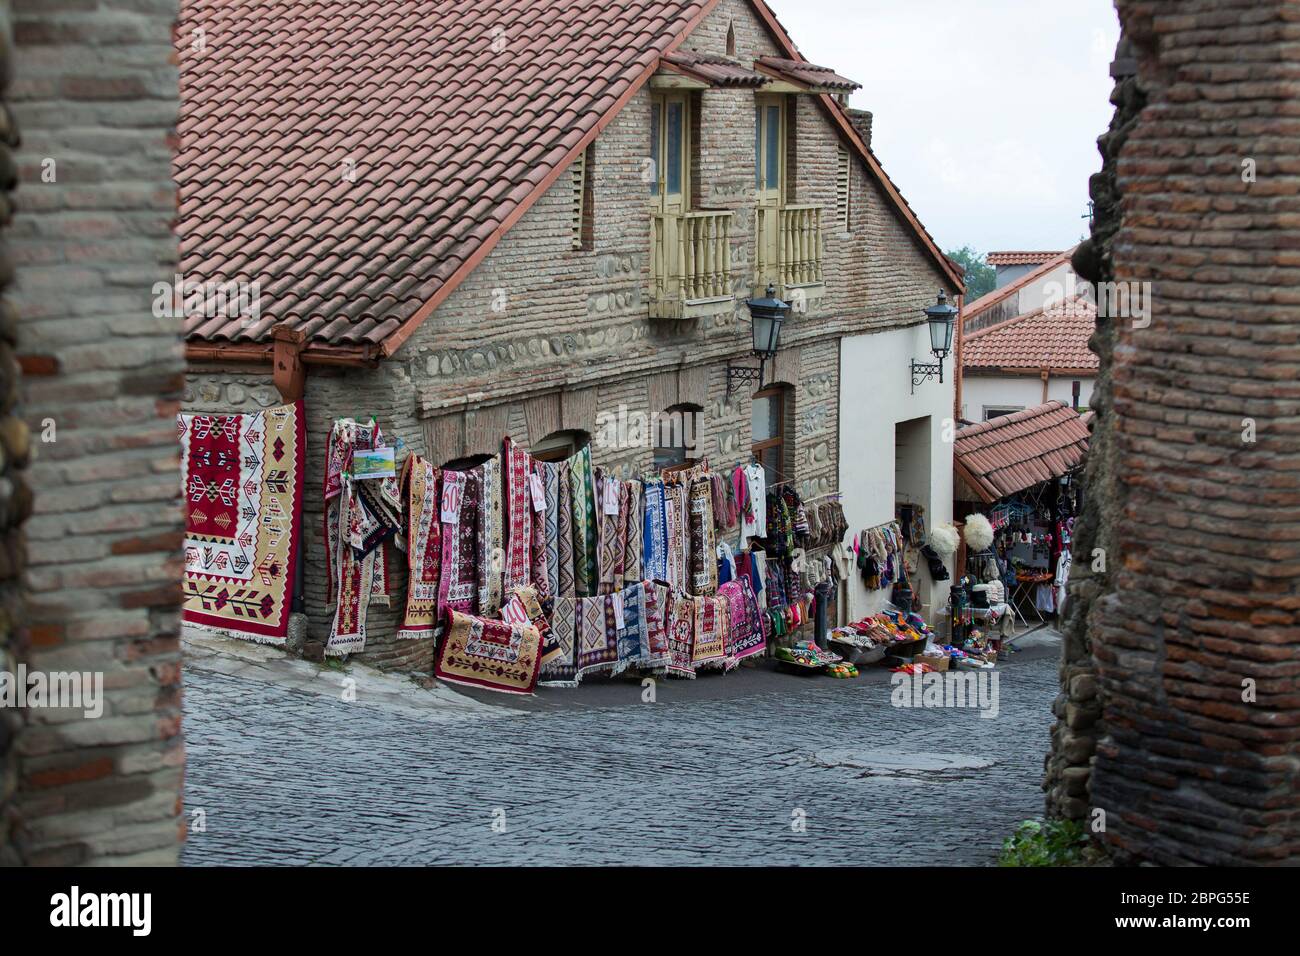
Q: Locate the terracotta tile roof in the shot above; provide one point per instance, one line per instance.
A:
(1019, 258)
(715, 69)
(1013, 452)
(808, 74)
(1054, 337)
(455, 113)
(973, 309)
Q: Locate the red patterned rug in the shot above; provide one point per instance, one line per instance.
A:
(243, 520)
(492, 654)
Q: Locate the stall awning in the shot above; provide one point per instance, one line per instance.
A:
(1014, 452)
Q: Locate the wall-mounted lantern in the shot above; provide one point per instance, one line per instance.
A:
(766, 315)
(942, 318)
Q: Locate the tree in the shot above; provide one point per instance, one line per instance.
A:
(980, 276)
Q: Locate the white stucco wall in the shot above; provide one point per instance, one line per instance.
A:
(1025, 391)
(875, 396)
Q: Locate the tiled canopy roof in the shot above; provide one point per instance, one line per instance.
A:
(1054, 337)
(717, 70)
(449, 113)
(1019, 258)
(1013, 452)
(808, 74)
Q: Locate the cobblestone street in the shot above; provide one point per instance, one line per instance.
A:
(716, 771)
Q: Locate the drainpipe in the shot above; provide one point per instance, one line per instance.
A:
(1074, 393)
(289, 375)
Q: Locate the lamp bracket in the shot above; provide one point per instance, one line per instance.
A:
(740, 374)
(922, 372)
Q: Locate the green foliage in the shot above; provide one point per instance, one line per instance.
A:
(1049, 843)
(980, 276)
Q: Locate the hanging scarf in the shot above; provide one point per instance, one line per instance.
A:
(423, 548)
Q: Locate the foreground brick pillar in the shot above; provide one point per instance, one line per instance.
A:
(1196, 630)
(94, 93)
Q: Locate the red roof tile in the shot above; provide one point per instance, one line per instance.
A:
(718, 70)
(1054, 337)
(809, 74)
(454, 114)
(989, 299)
(1013, 452)
(1019, 258)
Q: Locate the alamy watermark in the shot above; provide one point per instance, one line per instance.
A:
(183, 298)
(631, 428)
(74, 690)
(977, 690)
(1112, 300)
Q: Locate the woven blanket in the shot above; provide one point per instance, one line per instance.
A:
(676, 537)
(562, 670)
(657, 607)
(597, 636)
(633, 637)
(423, 547)
(523, 607)
(710, 648)
(586, 576)
(565, 585)
(609, 557)
(458, 581)
(655, 537)
(745, 629)
(243, 509)
(703, 555)
(491, 538)
(481, 652)
(632, 571)
(544, 530)
(681, 637)
(518, 516)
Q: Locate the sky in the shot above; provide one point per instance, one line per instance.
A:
(986, 112)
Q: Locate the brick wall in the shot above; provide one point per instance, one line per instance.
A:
(1195, 629)
(94, 92)
(574, 338)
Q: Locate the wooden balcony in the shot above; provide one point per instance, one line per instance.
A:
(790, 251)
(690, 265)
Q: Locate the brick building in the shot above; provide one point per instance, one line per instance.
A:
(1178, 725)
(93, 93)
(524, 217)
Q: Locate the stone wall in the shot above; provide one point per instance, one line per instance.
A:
(1194, 626)
(543, 337)
(94, 92)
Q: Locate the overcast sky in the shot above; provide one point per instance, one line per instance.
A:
(987, 112)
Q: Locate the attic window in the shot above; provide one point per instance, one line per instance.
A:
(731, 39)
(843, 181)
(582, 220)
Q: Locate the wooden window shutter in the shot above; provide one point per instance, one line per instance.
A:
(582, 218)
(843, 179)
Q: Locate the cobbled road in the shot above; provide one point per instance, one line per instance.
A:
(721, 770)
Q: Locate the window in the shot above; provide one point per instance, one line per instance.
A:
(583, 220)
(767, 431)
(997, 411)
(731, 39)
(560, 445)
(843, 183)
(769, 147)
(675, 432)
(670, 134)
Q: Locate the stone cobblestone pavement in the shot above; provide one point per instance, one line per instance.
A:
(699, 777)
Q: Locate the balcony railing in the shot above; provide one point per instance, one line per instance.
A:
(789, 246)
(690, 268)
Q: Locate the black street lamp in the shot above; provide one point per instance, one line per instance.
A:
(766, 315)
(942, 318)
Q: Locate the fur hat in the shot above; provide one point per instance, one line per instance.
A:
(944, 538)
(979, 533)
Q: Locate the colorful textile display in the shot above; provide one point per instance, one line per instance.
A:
(458, 580)
(586, 574)
(742, 614)
(480, 652)
(423, 547)
(562, 669)
(243, 479)
(597, 635)
(360, 515)
(654, 543)
(681, 637)
(703, 553)
(518, 516)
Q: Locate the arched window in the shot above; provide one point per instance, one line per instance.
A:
(676, 433)
(466, 463)
(560, 445)
(769, 413)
